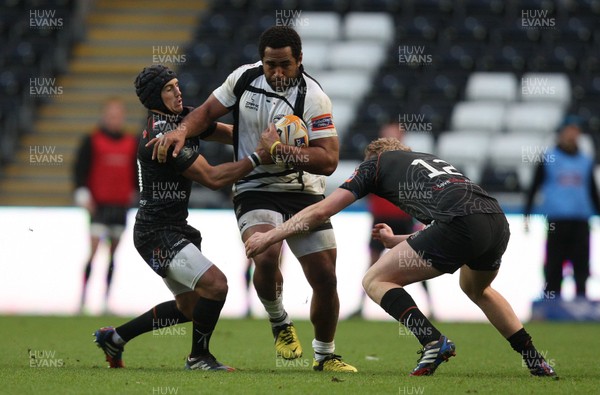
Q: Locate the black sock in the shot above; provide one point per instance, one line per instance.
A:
(86, 277)
(521, 342)
(87, 272)
(401, 306)
(160, 316)
(206, 314)
(109, 275)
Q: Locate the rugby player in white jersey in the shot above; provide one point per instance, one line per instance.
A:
(258, 95)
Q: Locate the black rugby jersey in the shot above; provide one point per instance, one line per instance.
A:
(164, 191)
(423, 185)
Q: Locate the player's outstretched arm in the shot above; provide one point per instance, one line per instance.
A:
(321, 157)
(303, 221)
(192, 125)
(384, 233)
(216, 177)
(223, 134)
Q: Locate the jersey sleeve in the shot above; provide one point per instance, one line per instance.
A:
(186, 156)
(224, 93)
(318, 115)
(362, 181)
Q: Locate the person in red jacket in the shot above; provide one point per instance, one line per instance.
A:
(105, 179)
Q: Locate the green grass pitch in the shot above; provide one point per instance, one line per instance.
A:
(55, 355)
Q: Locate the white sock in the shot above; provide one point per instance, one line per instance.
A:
(322, 349)
(117, 339)
(276, 312)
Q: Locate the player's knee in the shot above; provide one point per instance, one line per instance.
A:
(268, 260)
(213, 286)
(218, 290)
(367, 282)
(471, 291)
(325, 279)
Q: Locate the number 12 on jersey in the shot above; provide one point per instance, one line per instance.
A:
(435, 172)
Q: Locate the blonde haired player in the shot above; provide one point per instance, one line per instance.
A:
(466, 230)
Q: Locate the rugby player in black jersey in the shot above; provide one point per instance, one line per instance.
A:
(466, 230)
(162, 235)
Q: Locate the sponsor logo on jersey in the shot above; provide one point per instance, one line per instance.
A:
(178, 243)
(322, 122)
(352, 176)
(250, 104)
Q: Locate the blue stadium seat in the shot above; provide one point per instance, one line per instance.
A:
(458, 56)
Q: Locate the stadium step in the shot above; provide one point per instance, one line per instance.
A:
(121, 39)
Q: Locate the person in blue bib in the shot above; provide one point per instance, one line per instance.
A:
(565, 176)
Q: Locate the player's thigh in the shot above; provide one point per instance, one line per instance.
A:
(269, 258)
(190, 270)
(401, 265)
(262, 221)
(319, 267)
(474, 282)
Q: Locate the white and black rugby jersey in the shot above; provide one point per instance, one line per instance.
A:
(255, 105)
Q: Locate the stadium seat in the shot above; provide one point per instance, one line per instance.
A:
(364, 56)
(314, 55)
(369, 26)
(340, 6)
(434, 84)
(483, 7)
(420, 142)
(323, 26)
(437, 113)
(343, 115)
(428, 7)
(518, 152)
(392, 6)
(533, 118)
(514, 34)
(470, 29)
(467, 151)
(551, 87)
(513, 57)
(482, 117)
(390, 82)
(377, 110)
(344, 170)
(460, 56)
(500, 87)
(559, 58)
(346, 85)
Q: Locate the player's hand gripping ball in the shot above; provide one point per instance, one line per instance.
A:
(292, 131)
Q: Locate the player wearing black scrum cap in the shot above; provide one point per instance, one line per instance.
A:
(162, 235)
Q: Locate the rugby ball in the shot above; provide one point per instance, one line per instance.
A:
(292, 131)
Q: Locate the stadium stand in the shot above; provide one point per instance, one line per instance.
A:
(103, 62)
(453, 68)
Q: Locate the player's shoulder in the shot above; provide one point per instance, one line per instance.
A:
(245, 68)
(313, 87)
(316, 100)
